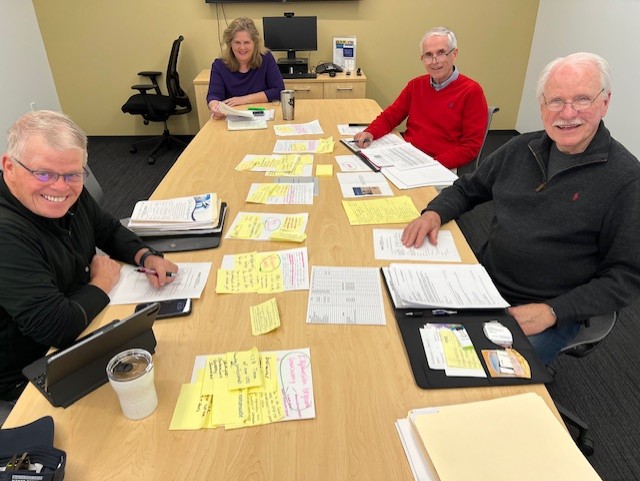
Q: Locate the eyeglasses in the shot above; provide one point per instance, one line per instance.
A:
(581, 103)
(438, 57)
(45, 176)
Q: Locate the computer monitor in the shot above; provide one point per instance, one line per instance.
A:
(290, 34)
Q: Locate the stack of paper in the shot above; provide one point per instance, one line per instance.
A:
(198, 214)
(515, 437)
(454, 286)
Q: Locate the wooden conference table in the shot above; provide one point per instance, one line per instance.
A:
(361, 374)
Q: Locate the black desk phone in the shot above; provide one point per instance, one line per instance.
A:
(328, 67)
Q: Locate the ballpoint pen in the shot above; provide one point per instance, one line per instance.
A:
(143, 270)
(255, 108)
(356, 124)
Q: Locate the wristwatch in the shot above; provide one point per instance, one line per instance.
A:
(150, 252)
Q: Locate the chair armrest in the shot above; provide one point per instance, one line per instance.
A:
(153, 75)
(143, 88)
(149, 73)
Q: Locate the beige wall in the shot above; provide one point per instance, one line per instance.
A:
(96, 47)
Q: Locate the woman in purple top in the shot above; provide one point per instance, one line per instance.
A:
(246, 73)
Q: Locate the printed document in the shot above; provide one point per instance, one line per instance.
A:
(351, 163)
(310, 128)
(345, 295)
(319, 146)
(366, 184)
(133, 287)
(388, 246)
(454, 286)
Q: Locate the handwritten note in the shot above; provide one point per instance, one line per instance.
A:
(285, 392)
(264, 317)
(390, 210)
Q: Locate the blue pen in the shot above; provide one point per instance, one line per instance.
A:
(443, 312)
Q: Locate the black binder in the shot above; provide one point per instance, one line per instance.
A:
(411, 320)
(189, 241)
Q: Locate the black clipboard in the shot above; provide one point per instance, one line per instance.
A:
(410, 322)
(189, 241)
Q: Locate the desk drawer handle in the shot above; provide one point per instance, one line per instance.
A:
(345, 88)
(302, 90)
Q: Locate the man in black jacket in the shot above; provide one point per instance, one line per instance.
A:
(563, 244)
(52, 283)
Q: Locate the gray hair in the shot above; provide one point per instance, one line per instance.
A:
(56, 128)
(579, 58)
(440, 32)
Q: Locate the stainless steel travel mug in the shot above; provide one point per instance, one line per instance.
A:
(288, 102)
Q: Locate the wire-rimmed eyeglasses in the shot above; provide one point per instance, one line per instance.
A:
(581, 103)
(45, 176)
(438, 57)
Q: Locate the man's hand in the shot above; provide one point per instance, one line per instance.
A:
(161, 266)
(363, 139)
(533, 318)
(427, 225)
(104, 272)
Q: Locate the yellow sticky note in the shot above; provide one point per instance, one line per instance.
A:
(388, 210)
(249, 227)
(191, 409)
(288, 236)
(325, 146)
(264, 317)
(229, 407)
(268, 366)
(324, 170)
(215, 368)
(244, 369)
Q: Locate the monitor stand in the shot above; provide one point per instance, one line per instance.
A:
(293, 66)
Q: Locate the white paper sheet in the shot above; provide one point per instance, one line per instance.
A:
(345, 295)
(388, 246)
(362, 185)
(133, 287)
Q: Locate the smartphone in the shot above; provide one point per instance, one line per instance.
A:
(172, 308)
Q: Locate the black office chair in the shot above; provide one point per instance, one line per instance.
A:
(591, 333)
(155, 107)
(93, 186)
(471, 166)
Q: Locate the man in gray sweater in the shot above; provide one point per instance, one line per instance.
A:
(563, 245)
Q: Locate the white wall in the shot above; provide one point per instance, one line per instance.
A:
(26, 76)
(607, 28)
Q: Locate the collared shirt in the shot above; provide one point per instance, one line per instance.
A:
(453, 77)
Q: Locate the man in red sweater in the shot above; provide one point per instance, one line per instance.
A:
(446, 112)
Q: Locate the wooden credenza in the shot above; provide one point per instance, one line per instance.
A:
(342, 86)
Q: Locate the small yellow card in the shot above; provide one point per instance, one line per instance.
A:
(324, 170)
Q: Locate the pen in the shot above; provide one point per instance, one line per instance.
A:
(414, 314)
(357, 124)
(359, 153)
(443, 312)
(142, 270)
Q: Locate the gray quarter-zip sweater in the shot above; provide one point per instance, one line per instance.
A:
(570, 240)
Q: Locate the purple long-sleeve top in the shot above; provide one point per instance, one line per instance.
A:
(224, 84)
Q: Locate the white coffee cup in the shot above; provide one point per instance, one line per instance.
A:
(131, 376)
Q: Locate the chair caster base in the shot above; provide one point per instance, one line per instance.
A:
(586, 445)
(133, 150)
(151, 161)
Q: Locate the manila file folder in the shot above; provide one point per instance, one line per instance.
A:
(515, 437)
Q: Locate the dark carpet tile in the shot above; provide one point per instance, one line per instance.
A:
(125, 177)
